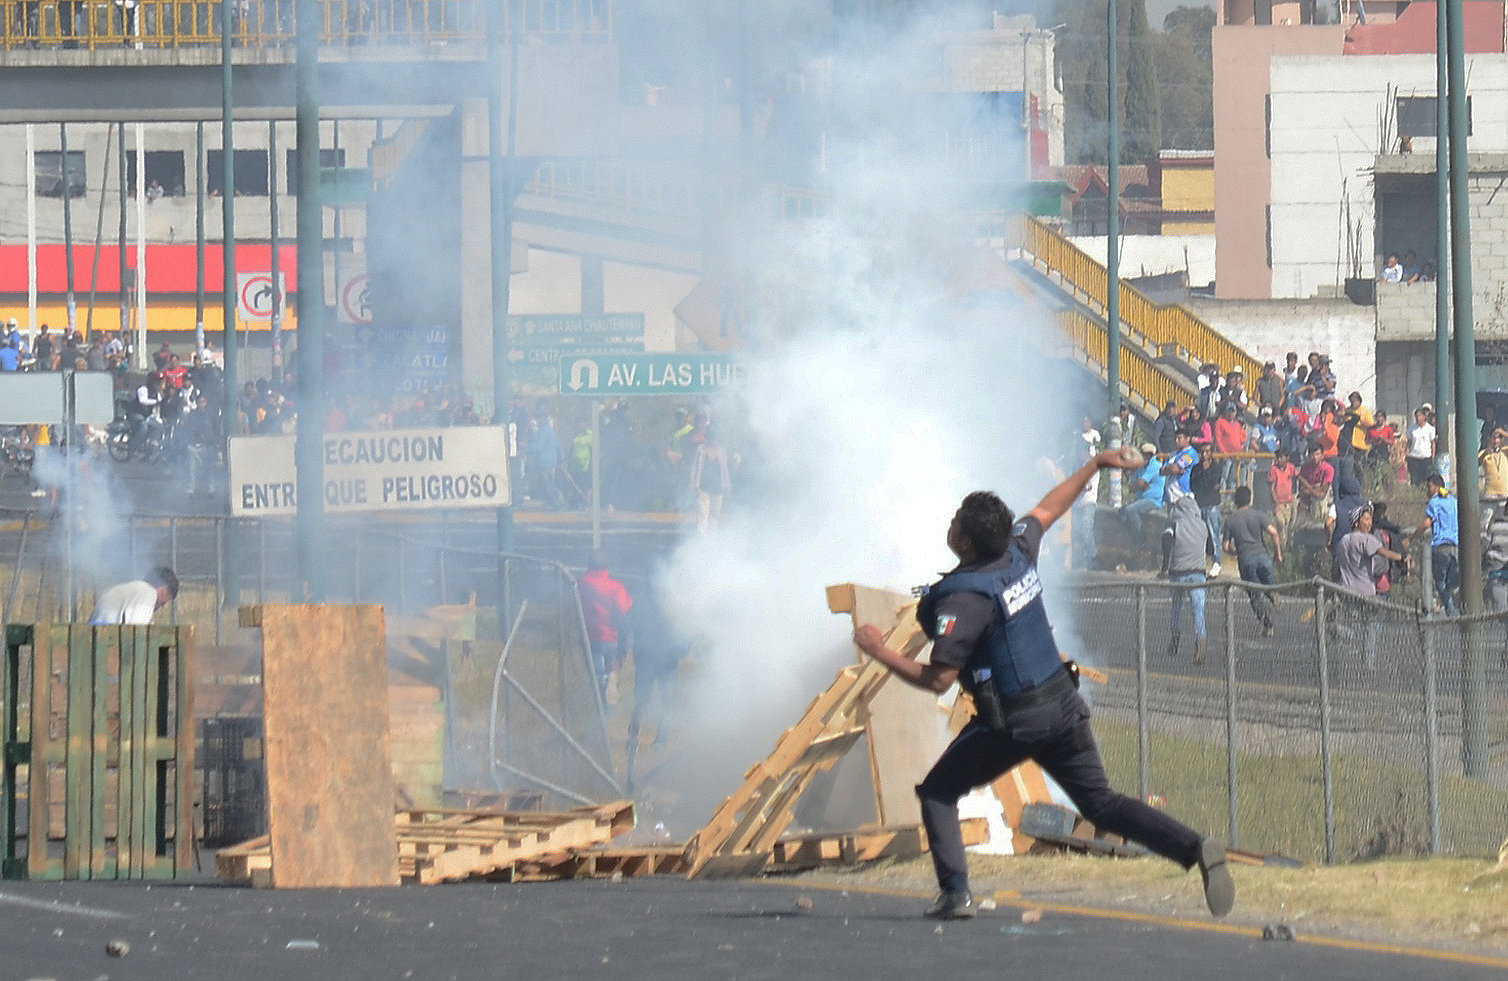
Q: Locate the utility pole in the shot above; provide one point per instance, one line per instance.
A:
(1113, 215)
(1443, 414)
(310, 517)
(230, 407)
(1468, 517)
(502, 142)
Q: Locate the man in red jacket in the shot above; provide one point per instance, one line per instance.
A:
(605, 603)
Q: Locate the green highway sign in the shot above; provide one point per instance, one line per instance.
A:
(647, 374)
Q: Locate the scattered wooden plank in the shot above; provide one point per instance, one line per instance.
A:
(819, 849)
(741, 836)
(451, 845)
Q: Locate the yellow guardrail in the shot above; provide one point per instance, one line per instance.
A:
(1143, 379)
(643, 189)
(619, 186)
(1160, 323)
(165, 24)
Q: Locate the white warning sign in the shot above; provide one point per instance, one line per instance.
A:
(385, 470)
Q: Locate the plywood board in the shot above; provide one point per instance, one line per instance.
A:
(905, 734)
(329, 761)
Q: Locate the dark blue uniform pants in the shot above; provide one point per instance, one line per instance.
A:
(1056, 735)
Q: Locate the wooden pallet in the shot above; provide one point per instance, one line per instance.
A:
(740, 838)
(106, 741)
(450, 845)
(840, 848)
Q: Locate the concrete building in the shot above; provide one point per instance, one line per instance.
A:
(617, 192)
(1324, 136)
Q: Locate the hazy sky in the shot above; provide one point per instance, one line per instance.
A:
(1158, 9)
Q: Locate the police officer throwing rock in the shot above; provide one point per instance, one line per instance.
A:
(990, 632)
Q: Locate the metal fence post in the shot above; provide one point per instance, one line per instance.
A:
(1143, 726)
(444, 548)
(262, 561)
(1232, 782)
(1427, 576)
(1431, 737)
(173, 559)
(1324, 693)
(402, 578)
(219, 580)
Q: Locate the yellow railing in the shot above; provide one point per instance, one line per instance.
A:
(1160, 323)
(618, 186)
(163, 24)
(1143, 379)
(647, 189)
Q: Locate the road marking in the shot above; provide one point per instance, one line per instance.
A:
(1010, 898)
(55, 907)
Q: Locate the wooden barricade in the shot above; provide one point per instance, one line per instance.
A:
(741, 837)
(100, 721)
(329, 762)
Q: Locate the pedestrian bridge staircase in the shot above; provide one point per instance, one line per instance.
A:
(1162, 344)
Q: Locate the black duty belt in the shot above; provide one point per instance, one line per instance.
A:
(1051, 688)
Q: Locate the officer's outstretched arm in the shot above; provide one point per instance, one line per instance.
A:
(1061, 498)
(928, 677)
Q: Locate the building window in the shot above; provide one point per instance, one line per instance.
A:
(165, 172)
(251, 172)
(328, 160)
(1269, 236)
(1416, 116)
(49, 168)
(1267, 125)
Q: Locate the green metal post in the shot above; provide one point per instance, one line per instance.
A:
(1443, 414)
(230, 409)
(198, 234)
(1113, 215)
(1469, 521)
(309, 519)
(501, 146)
(73, 313)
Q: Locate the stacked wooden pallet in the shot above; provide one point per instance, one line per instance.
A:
(451, 845)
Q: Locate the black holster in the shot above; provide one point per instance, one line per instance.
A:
(987, 706)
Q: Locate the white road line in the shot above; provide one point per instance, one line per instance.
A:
(53, 907)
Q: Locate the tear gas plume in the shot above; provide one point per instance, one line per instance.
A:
(880, 391)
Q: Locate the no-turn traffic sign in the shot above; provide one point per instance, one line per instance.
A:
(356, 300)
(256, 297)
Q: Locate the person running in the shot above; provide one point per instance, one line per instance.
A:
(990, 633)
(1243, 537)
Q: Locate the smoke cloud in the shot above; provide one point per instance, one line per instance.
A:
(884, 384)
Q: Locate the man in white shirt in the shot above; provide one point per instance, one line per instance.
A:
(133, 603)
(1421, 451)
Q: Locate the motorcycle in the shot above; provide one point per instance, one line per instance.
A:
(128, 438)
(16, 451)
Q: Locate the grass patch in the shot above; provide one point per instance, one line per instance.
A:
(1381, 807)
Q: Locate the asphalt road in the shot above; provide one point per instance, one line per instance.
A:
(658, 928)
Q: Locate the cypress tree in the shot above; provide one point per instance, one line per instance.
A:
(1142, 138)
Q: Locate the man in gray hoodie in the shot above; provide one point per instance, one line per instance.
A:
(1186, 535)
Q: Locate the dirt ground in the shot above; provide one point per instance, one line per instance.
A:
(1439, 904)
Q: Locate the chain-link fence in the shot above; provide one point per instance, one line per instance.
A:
(523, 715)
(1353, 728)
(1357, 728)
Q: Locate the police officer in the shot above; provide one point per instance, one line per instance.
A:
(990, 632)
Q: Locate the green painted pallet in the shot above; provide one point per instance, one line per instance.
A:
(99, 743)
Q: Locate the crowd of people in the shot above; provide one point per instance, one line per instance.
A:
(1405, 271)
(65, 349)
(682, 463)
(1292, 467)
